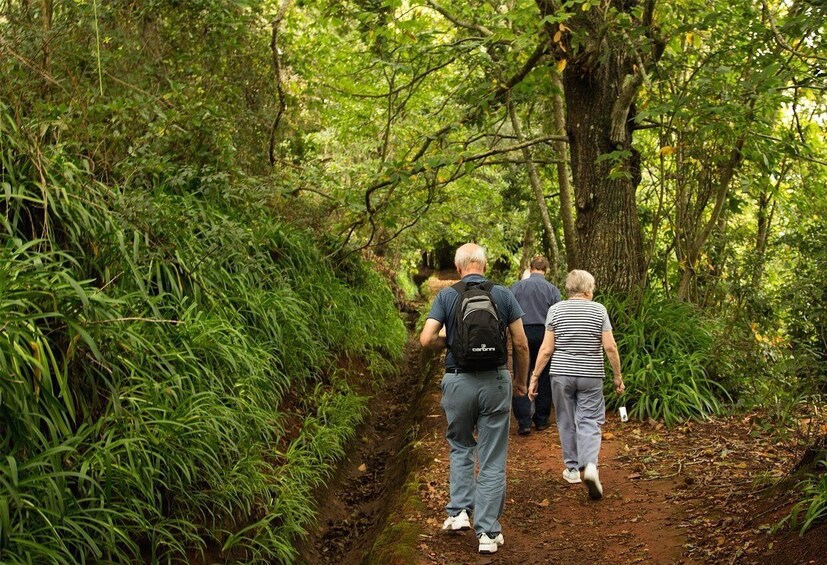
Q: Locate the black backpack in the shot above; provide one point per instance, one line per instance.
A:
(479, 331)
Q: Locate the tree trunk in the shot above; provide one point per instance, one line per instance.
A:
(562, 152)
(537, 187)
(47, 11)
(695, 238)
(529, 242)
(603, 71)
(765, 217)
(765, 214)
(609, 242)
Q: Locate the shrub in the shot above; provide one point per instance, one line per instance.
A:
(664, 350)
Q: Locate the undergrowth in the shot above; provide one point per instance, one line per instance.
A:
(665, 349)
(147, 339)
(812, 506)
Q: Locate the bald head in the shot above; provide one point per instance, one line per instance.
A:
(470, 259)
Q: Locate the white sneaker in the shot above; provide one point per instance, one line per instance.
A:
(488, 545)
(572, 476)
(592, 480)
(458, 522)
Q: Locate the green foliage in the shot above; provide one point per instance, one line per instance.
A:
(664, 351)
(813, 506)
(757, 367)
(808, 308)
(147, 340)
(155, 309)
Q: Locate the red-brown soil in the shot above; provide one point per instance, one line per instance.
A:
(702, 492)
(549, 520)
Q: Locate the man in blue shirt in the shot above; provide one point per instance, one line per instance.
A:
(477, 399)
(535, 295)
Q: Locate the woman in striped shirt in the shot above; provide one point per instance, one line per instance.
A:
(578, 331)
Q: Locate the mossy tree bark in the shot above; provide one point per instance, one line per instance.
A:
(609, 240)
(602, 73)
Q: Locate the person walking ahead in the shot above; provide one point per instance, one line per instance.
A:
(476, 396)
(578, 331)
(535, 295)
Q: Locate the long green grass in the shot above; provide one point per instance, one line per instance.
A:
(812, 506)
(665, 351)
(148, 340)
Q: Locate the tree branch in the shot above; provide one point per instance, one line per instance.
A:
(497, 96)
(512, 161)
(720, 199)
(516, 147)
(527, 67)
(476, 157)
(537, 187)
(780, 39)
(620, 109)
(398, 89)
(49, 78)
(458, 22)
(285, 5)
(631, 86)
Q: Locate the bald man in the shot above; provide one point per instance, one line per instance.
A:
(477, 399)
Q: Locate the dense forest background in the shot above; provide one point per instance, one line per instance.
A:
(207, 203)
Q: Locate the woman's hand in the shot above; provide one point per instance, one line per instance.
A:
(532, 387)
(620, 388)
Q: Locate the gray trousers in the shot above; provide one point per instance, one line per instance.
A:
(580, 411)
(480, 400)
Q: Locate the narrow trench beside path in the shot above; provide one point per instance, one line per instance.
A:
(353, 507)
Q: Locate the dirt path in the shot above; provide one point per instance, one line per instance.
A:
(548, 519)
(703, 492)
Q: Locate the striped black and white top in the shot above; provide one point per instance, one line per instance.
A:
(578, 327)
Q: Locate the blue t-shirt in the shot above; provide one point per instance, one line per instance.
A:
(442, 310)
(536, 295)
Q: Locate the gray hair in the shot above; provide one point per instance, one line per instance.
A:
(469, 253)
(579, 282)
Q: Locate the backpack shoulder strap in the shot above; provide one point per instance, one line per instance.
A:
(460, 287)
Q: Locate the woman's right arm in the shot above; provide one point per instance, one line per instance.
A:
(610, 347)
(543, 356)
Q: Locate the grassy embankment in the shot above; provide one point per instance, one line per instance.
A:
(169, 384)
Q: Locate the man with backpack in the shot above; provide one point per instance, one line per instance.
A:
(477, 390)
(535, 295)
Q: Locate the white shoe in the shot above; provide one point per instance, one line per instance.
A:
(458, 522)
(488, 545)
(572, 476)
(592, 480)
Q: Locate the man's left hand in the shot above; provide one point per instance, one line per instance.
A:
(519, 389)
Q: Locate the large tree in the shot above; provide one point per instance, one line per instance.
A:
(605, 49)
